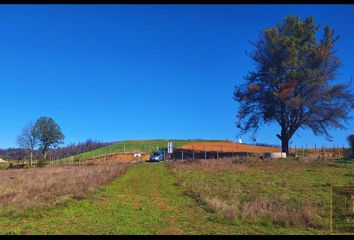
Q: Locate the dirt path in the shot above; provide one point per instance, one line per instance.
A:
(145, 200)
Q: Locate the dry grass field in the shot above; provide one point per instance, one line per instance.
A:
(43, 187)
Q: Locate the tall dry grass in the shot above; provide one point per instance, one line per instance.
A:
(42, 187)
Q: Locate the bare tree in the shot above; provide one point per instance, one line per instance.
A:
(28, 139)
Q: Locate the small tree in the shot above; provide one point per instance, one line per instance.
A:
(292, 83)
(49, 134)
(351, 143)
(28, 139)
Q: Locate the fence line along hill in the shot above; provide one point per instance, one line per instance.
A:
(227, 146)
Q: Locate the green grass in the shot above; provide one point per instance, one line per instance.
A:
(346, 160)
(148, 199)
(285, 184)
(145, 200)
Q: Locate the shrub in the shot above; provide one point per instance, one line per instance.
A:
(26, 165)
(41, 164)
(77, 159)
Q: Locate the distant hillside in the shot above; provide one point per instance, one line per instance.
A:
(136, 145)
(62, 152)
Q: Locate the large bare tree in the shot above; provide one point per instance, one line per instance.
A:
(292, 84)
(28, 139)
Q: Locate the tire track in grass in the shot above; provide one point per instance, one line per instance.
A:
(142, 201)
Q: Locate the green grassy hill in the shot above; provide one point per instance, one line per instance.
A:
(129, 146)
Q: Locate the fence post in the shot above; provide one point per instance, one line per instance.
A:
(182, 155)
(324, 152)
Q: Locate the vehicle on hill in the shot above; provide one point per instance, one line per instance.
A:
(157, 156)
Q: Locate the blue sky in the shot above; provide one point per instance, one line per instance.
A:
(116, 72)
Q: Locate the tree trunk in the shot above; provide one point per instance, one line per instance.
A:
(285, 144)
(284, 137)
(31, 160)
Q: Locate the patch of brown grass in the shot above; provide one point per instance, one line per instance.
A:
(276, 210)
(226, 211)
(41, 187)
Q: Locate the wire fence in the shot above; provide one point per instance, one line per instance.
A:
(333, 153)
(119, 157)
(137, 155)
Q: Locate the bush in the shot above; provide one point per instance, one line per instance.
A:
(351, 143)
(77, 159)
(41, 164)
(26, 165)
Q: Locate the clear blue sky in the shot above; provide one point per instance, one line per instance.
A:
(116, 72)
